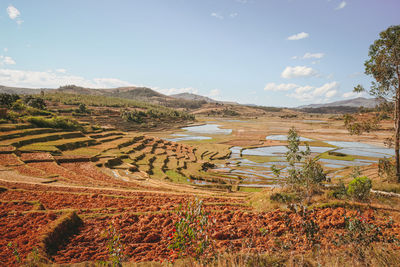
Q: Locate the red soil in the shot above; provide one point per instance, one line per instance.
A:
(26, 170)
(23, 230)
(145, 220)
(9, 159)
(36, 156)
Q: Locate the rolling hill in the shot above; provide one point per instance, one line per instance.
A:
(354, 102)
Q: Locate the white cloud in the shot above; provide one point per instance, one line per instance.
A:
(280, 87)
(298, 71)
(61, 70)
(12, 12)
(315, 94)
(298, 36)
(310, 56)
(4, 60)
(313, 55)
(5, 49)
(330, 94)
(303, 89)
(50, 79)
(172, 91)
(341, 5)
(214, 93)
(307, 92)
(216, 15)
(233, 15)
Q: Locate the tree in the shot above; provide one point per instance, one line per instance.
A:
(303, 173)
(384, 66)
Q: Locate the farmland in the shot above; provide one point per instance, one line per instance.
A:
(61, 189)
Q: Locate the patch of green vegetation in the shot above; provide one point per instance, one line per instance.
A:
(40, 147)
(176, 177)
(54, 122)
(328, 155)
(318, 143)
(83, 151)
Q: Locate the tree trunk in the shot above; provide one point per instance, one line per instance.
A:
(397, 134)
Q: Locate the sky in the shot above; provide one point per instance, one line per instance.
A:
(264, 52)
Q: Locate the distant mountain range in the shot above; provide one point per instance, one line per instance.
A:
(137, 93)
(185, 99)
(355, 102)
(190, 96)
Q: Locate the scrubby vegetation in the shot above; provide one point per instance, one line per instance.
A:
(139, 116)
(54, 122)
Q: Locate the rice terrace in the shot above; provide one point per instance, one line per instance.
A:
(103, 172)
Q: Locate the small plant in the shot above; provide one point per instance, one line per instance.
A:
(264, 231)
(15, 251)
(191, 235)
(359, 188)
(34, 259)
(115, 246)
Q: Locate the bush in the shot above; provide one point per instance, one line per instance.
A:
(359, 188)
(7, 100)
(35, 102)
(55, 122)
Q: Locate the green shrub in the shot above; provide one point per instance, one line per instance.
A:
(359, 188)
(7, 100)
(339, 191)
(54, 122)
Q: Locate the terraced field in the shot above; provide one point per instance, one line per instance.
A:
(60, 190)
(101, 158)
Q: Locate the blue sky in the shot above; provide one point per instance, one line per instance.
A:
(266, 52)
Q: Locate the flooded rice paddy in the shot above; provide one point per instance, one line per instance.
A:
(252, 166)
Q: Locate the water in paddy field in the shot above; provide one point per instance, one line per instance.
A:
(270, 151)
(207, 129)
(259, 174)
(191, 132)
(361, 149)
(185, 137)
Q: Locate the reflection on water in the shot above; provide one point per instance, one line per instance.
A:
(207, 129)
(361, 149)
(192, 131)
(270, 151)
